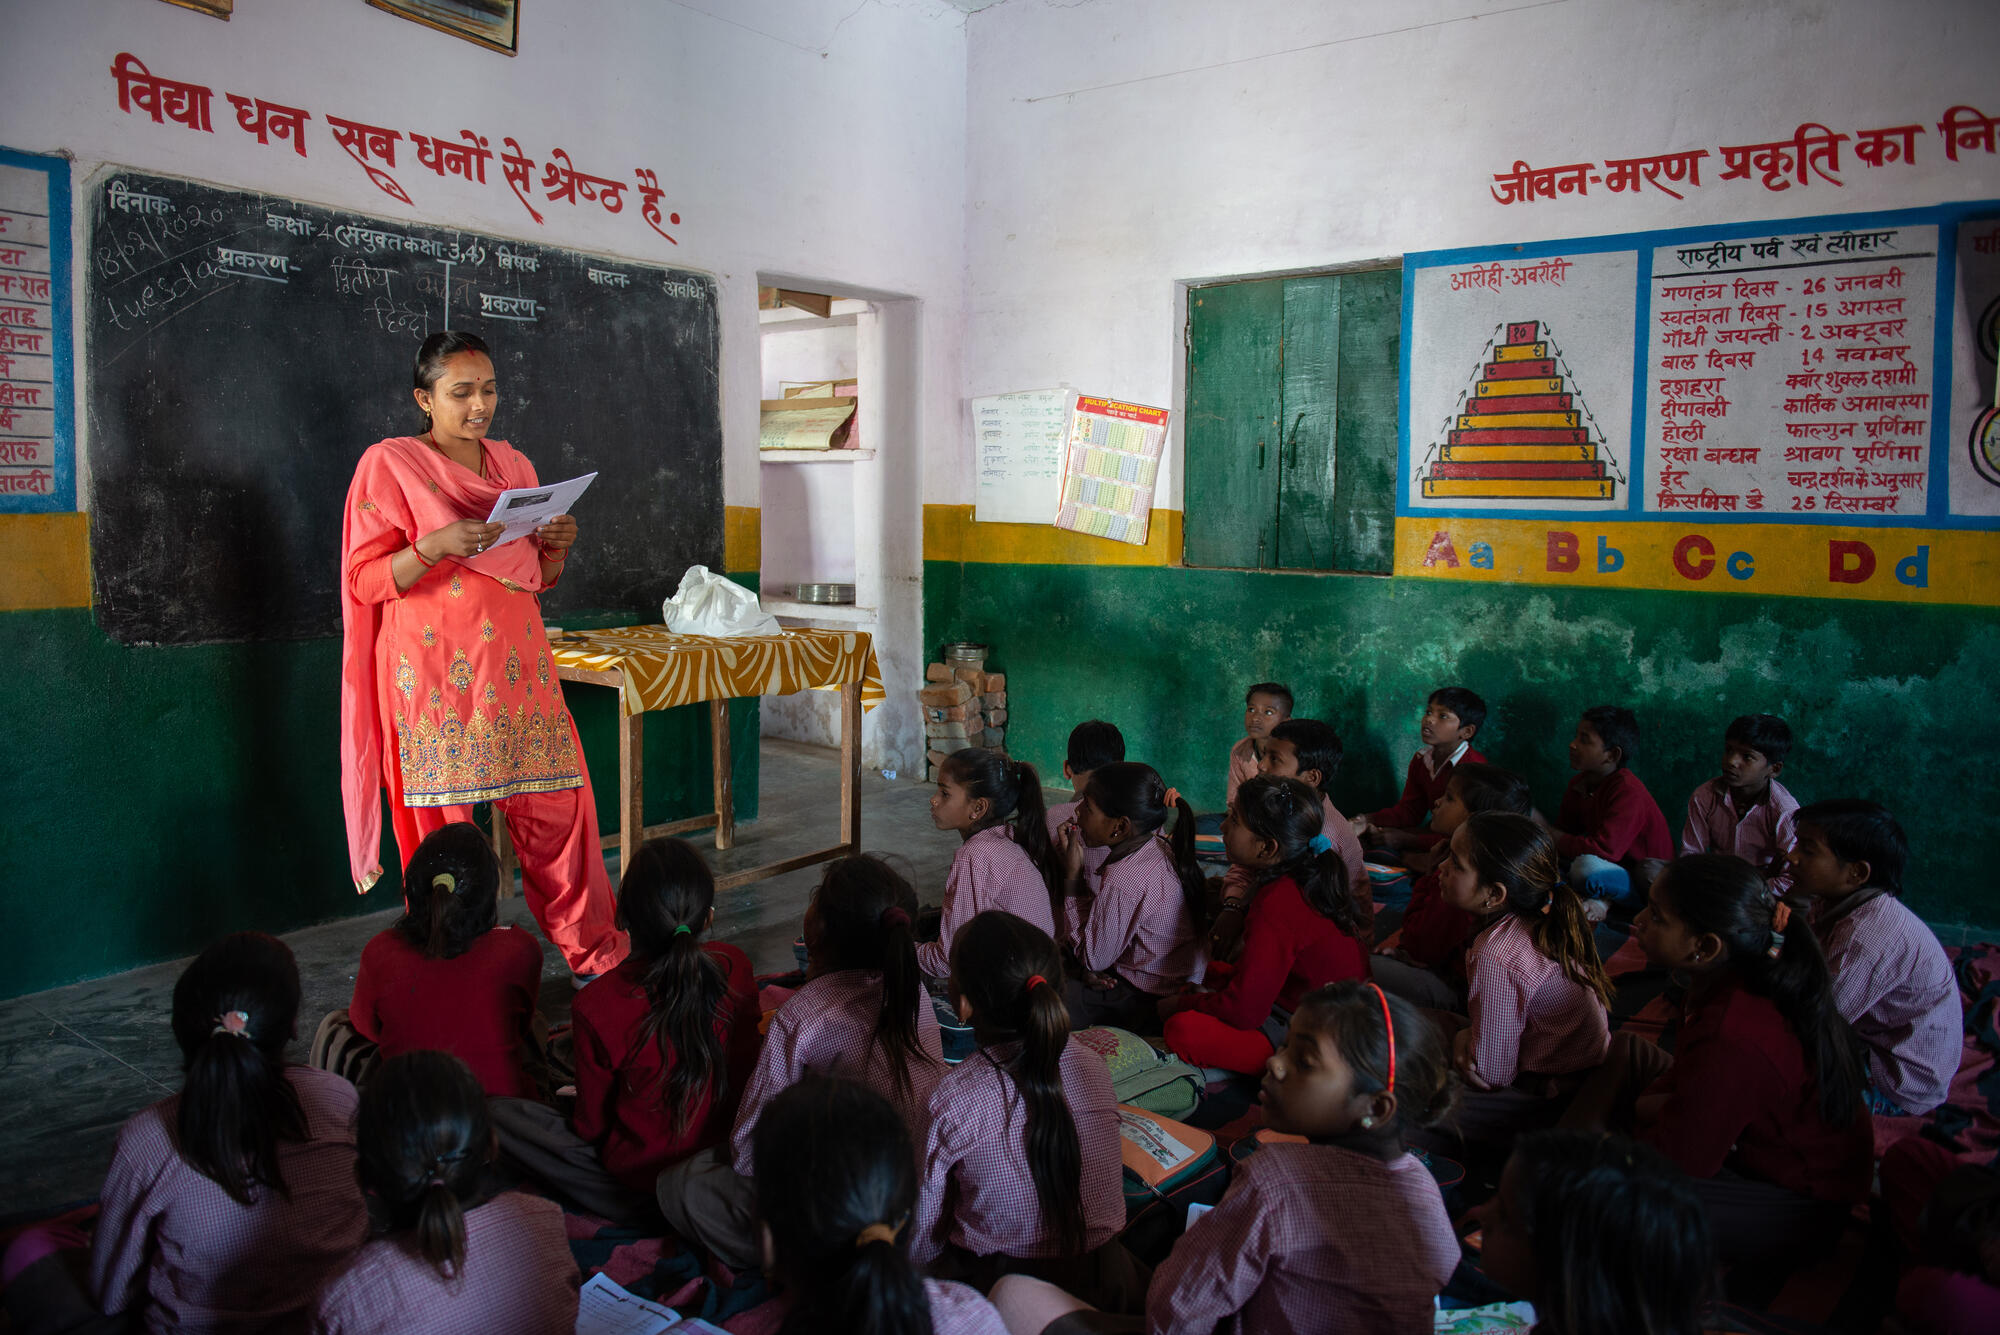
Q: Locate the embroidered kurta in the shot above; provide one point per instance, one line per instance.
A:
(448, 691)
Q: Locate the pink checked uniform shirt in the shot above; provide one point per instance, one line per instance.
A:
(989, 871)
(958, 1309)
(171, 1243)
(1138, 924)
(977, 1191)
(1759, 836)
(1527, 1014)
(1892, 982)
(1310, 1239)
(828, 1028)
(519, 1277)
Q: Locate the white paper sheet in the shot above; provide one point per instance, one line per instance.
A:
(525, 509)
(1019, 441)
(603, 1308)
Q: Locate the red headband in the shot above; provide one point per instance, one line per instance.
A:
(1389, 1025)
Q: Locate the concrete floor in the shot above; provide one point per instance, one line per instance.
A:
(76, 1061)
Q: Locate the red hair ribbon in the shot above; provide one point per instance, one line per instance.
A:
(1389, 1025)
(1781, 916)
(894, 916)
(1035, 980)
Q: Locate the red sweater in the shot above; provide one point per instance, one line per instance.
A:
(1618, 821)
(1288, 950)
(1434, 933)
(1740, 1093)
(621, 1073)
(478, 1006)
(1421, 790)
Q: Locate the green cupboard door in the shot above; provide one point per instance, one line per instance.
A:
(1230, 431)
(1364, 507)
(1307, 469)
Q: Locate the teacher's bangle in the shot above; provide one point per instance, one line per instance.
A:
(555, 556)
(428, 565)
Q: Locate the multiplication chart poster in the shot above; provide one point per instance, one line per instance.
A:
(1111, 463)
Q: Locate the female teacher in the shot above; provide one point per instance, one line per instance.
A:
(448, 696)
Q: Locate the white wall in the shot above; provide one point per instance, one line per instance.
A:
(1120, 148)
(791, 136)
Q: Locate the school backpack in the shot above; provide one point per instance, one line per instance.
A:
(1143, 1076)
(1169, 1166)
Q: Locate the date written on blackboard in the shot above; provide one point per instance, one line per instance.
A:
(373, 147)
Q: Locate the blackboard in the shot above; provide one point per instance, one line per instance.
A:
(244, 349)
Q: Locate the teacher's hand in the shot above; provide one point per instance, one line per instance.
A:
(558, 535)
(464, 537)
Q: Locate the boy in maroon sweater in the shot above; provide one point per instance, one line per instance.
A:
(1609, 827)
(1451, 717)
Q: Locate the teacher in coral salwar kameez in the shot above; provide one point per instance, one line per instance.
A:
(448, 693)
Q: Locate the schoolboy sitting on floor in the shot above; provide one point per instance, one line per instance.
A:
(1452, 716)
(1265, 706)
(1608, 823)
(1891, 980)
(1745, 810)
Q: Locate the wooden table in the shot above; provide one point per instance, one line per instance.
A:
(652, 668)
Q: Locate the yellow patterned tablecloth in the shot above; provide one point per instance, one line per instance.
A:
(663, 669)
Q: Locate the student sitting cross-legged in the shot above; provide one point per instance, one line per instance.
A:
(1346, 1232)
(1004, 858)
(1452, 717)
(1608, 826)
(1021, 1159)
(1745, 810)
(1891, 980)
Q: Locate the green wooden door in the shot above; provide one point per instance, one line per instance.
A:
(1231, 429)
(1290, 430)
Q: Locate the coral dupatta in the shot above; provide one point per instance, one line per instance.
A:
(402, 490)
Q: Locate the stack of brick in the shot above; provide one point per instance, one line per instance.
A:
(963, 706)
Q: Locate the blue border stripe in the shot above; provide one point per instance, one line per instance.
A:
(62, 321)
(1945, 217)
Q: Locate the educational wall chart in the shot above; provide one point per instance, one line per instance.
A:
(1800, 408)
(37, 406)
(1111, 461)
(1018, 442)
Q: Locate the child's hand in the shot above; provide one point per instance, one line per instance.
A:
(1227, 931)
(1461, 1058)
(1069, 850)
(1422, 860)
(1363, 827)
(1098, 982)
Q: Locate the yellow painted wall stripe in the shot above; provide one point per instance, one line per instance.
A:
(1785, 560)
(44, 561)
(950, 534)
(742, 537)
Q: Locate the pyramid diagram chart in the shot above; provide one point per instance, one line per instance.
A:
(1522, 435)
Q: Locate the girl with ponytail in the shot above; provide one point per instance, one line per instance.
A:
(1537, 992)
(453, 1255)
(228, 1204)
(1301, 929)
(445, 976)
(1765, 1081)
(1021, 1160)
(836, 1185)
(664, 1045)
(862, 1014)
(1005, 860)
(1137, 941)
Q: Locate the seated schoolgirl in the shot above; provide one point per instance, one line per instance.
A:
(228, 1203)
(1301, 931)
(863, 1015)
(1427, 965)
(1005, 860)
(1538, 992)
(1136, 942)
(455, 1258)
(1761, 1101)
(1344, 1233)
(836, 1185)
(444, 977)
(1603, 1235)
(664, 1045)
(1022, 1161)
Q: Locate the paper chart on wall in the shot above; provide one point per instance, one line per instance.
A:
(1792, 374)
(1111, 462)
(1018, 447)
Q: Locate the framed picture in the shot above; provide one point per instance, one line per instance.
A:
(219, 8)
(490, 23)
